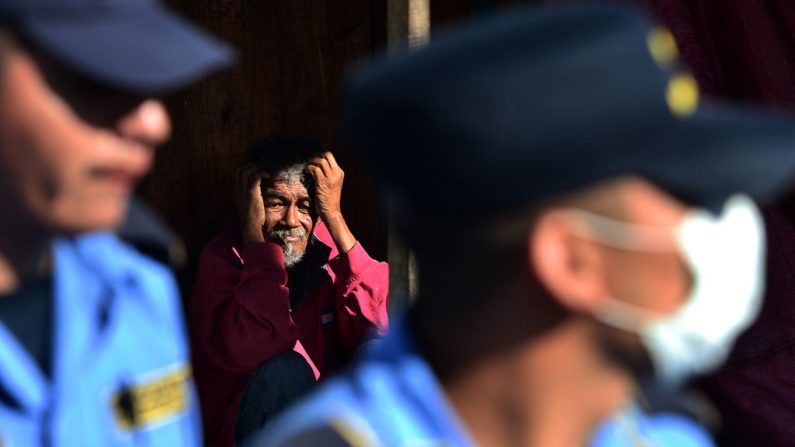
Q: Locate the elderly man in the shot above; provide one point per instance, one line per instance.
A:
(288, 293)
(92, 348)
(582, 226)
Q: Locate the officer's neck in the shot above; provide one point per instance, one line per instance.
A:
(552, 392)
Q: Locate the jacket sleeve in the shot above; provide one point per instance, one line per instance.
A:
(244, 315)
(362, 285)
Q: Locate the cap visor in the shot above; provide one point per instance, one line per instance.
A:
(719, 152)
(147, 49)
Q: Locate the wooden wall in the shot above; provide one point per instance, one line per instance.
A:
(294, 55)
(445, 12)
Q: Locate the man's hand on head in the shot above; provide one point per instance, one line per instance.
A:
(328, 192)
(328, 185)
(250, 206)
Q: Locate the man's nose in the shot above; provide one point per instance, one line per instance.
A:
(147, 124)
(291, 217)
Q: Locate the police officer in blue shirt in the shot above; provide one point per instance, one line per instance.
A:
(92, 348)
(583, 227)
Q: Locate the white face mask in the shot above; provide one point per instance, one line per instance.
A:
(726, 256)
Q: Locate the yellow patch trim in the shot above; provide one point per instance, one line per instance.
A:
(152, 401)
(682, 95)
(351, 434)
(662, 46)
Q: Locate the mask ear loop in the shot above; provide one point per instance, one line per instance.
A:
(622, 235)
(630, 237)
(618, 314)
(625, 316)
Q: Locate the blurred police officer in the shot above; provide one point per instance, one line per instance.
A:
(582, 223)
(92, 349)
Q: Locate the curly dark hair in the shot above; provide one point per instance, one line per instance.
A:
(279, 153)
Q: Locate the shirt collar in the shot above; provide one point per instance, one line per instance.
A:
(420, 385)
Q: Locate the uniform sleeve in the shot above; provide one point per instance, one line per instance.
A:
(243, 316)
(362, 285)
(325, 435)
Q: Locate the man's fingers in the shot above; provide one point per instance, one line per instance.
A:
(331, 160)
(251, 175)
(244, 180)
(323, 164)
(327, 162)
(254, 184)
(316, 172)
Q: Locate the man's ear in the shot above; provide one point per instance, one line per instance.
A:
(569, 267)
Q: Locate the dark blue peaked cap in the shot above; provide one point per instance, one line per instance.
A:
(530, 104)
(136, 45)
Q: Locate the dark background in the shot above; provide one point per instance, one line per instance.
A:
(294, 55)
(293, 58)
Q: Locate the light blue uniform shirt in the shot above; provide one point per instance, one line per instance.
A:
(120, 365)
(392, 398)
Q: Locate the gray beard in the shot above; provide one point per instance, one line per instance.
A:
(291, 257)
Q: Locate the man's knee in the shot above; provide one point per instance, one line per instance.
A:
(277, 383)
(281, 373)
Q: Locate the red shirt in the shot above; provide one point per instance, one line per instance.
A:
(240, 315)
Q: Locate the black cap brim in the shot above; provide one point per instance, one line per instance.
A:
(721, 151)
(149, 50)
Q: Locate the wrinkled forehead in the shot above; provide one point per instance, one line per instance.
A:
(290, 187)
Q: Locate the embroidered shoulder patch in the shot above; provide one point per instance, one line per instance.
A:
(152, 400)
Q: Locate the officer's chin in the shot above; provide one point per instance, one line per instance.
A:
(74, 219)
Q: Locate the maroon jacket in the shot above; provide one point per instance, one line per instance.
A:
(240, 316)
